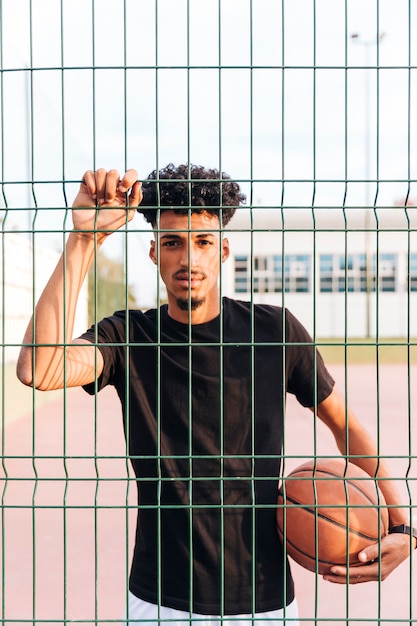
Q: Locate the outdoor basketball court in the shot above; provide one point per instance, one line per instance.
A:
(64, 515)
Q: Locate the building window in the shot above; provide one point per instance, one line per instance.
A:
(347, 273)
(385, 268)
(241, 274)
(271, 272)
(413, 272)
(340, 273)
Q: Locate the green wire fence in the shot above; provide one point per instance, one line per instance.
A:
(310, 105)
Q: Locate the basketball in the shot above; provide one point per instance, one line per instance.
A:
(328, 511)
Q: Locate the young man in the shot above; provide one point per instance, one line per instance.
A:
(202, 382)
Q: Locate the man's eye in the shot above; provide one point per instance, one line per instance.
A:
(205, 242)
(170, 244)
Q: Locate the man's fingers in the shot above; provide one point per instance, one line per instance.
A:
(112, 183)
(101, 178)
(103, 186)
(370, 554)
(128, 180)
(89, 180)
(135, 197)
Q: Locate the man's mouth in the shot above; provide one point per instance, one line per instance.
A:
(187, 280)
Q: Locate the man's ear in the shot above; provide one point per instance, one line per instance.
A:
(152, 253)
(225, 249)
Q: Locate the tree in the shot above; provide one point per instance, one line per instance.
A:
(107, 288)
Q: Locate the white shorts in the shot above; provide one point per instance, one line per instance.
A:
(151, 615)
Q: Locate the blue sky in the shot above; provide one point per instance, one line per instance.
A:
(267, 90)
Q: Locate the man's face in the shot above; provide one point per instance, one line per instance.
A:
(189, 251)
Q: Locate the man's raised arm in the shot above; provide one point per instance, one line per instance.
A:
(49, 357)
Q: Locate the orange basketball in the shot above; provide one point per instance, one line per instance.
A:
(328, 511)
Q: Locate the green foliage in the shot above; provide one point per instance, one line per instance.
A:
(107, 288)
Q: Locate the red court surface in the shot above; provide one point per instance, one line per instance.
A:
(67, 533)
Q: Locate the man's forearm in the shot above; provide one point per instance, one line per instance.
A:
(51, 327)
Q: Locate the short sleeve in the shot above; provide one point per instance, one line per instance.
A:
(105, 335)
(306, 374)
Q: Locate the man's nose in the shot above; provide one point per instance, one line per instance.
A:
(190, 256)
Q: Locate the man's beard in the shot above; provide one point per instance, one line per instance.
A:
(190, 304)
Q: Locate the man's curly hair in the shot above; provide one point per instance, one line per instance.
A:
(178, 189)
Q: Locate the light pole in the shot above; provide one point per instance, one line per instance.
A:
(367, 43)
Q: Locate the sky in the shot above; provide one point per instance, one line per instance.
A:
(266, 90)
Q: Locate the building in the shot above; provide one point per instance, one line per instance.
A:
(342, 272)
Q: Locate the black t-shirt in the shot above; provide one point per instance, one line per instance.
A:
(203, 415)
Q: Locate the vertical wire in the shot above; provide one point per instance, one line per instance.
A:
(188, 86)
(3, 430)
(125, 236)
(64, 452)
(283, 329)
(95, 271)
(190, 338)
(409, 363)
(221, 347)
(221, 338)
(158, 357)
(253, 338)
(377, 278)
(65, 423)
(346, 279)
(346, 253)
(219, 84)
(190, 394)
(3, 414)
(221, 335)
(221, 318)
(190, 378)
(189, 329)
(367, 177)
(314, 373)
(409, 359)
(32, 235)
(128, 471)
(159, 332)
